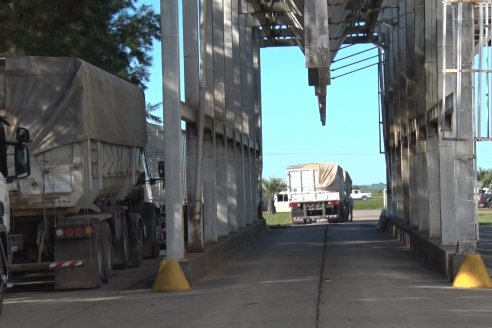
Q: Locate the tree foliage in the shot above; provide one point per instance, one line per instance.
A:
(484, 177)
(152, 108)
(114, 35)
(271, 187)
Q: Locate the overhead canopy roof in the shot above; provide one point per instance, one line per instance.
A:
(319, 28)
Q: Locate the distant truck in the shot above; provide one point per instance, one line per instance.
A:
(318, 191)
(87, 206)
(359, 195)
(17, 153)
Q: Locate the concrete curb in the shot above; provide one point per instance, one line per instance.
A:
(440, 258)
(198, 265)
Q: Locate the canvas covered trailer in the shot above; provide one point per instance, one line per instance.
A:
(318, 191)
(88, 202)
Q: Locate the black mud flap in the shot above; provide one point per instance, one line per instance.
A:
(77, 278)
(87, 276)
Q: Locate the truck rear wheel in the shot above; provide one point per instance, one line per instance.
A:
(136, 241)
(107, 252)
(122, 247)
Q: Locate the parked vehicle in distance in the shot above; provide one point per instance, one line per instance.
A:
(484, 199)
(282, 202)
(358, 194)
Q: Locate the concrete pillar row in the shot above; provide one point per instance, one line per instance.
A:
(432, 167)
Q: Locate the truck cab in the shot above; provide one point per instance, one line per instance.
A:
(17, 155)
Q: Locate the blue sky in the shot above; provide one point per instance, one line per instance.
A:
(292, 131)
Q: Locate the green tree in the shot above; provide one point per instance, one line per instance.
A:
(114, 35)
(484, 177)
(152, 108)
(271, 187)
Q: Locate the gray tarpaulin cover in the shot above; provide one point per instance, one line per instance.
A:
(65, 100)
(330, 177)
(348, 182)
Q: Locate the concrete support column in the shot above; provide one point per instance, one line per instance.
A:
(192, 98)
(432, 42)
(405, 178)
(412, 182)
(209, 189)
(257, 158)
(190, 53)
(399, 180)
(191, 154)
(241, 215)
(419, 32)
(449, 229)
(422, 199)
(172, 129)
(247, 187)
(433, 184)
(254, 186)
(222, 189)
(232, 194)
(457, 150)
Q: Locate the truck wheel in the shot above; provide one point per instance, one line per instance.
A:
(151, 220)
(136, 241)
(107, 252)
(122, 247)
(99, 261)
(153, 243)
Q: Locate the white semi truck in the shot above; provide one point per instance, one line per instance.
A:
(318, 191)
(87, 206)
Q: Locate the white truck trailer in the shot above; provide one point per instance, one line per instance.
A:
(318, 191)
(87, 205)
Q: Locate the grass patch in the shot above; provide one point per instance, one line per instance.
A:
(485, 216)
(376, 203)
(278, 220)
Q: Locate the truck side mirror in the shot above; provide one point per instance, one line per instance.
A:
(160, 168)
(22, 163)
(22, 135)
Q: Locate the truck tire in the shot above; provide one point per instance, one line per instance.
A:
(122, 247)
(107, 252)
(151, 220)
(136, 241)
(155, 243)
(99, 261)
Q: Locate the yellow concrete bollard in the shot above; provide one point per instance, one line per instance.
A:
(170, 278)
(472, 273)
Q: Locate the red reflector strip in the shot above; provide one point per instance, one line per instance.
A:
(65, 264)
